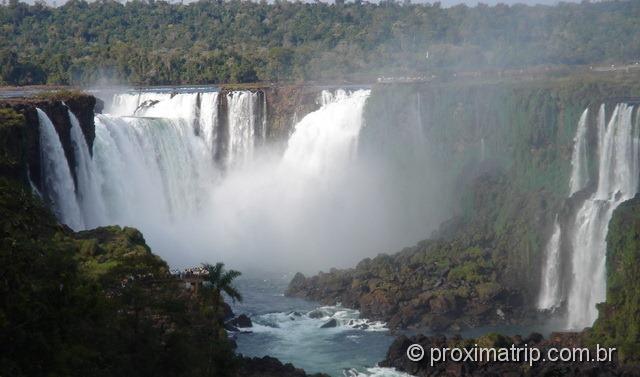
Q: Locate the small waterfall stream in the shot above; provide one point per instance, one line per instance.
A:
(242, 127)
(88, 182)
(58, 182)
(550, 297)
(579, 169)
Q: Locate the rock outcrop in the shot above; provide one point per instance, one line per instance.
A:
(241, 321)
(455, 280)
(286, 105)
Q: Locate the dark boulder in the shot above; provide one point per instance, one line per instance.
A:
(227, 312)
(241, 321)
(315, 314)
(331, 323)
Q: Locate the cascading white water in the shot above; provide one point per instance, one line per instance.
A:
(304, 206)
(324, 140)
(550, 296)
(579, 168)
(550, 291)
(91, 203)
(56, 175)
(153, 170)
(617, 181)
(209, 120)
(242, 127)
(158, 174)
(321, 203)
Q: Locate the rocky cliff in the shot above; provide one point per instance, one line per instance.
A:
(25, 137)
(500, 154)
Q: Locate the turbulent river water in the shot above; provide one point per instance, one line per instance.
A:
(290, 330)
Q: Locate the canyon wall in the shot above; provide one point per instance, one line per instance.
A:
(500, 154)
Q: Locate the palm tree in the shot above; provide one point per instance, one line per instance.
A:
(220, 280)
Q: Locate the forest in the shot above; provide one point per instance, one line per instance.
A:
(215, 41)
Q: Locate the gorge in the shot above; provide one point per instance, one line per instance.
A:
(515, 182)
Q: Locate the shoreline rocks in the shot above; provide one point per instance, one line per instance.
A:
(240, 322)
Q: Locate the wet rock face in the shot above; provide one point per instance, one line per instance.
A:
(285, 106)
(241, 321)
(329, 324)
(84, 108)
(397, 357)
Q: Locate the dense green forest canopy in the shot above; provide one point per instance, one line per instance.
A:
(156, 42)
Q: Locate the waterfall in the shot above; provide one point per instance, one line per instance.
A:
(89, 198)
(324, 139)
(306, 205)
(317, 203)
(209, 120)
(58, 185)
(153, 170)
(579, 168)
(617, 182)
(242, 126)
(550, 292)
(550, 295)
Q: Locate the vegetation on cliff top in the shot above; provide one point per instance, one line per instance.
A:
(618, 323)
(97, 303)
(160, 42)
(11, 124)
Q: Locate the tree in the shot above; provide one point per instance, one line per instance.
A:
(221, 281)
